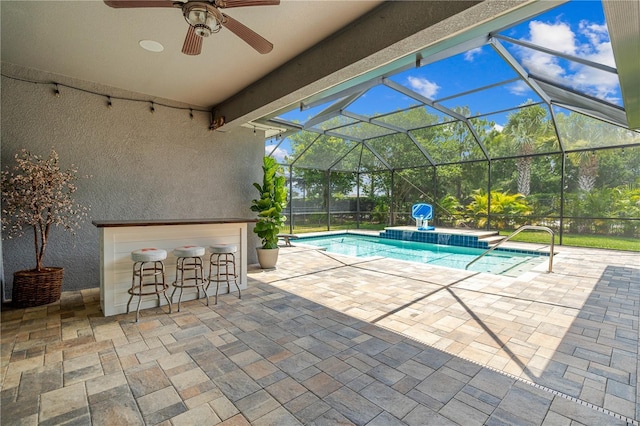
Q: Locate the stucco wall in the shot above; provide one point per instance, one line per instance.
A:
(141, 166)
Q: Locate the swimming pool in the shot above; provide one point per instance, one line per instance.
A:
(497, 262)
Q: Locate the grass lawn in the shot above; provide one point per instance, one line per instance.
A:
(577, 240)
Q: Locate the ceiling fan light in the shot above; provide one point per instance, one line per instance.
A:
(202, 30)
(197, 16)
(203, 20)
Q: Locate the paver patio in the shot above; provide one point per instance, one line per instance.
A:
(327, 339)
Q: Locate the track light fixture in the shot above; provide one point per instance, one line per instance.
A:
(109, 103)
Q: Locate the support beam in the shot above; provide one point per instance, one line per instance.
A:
(387, 34)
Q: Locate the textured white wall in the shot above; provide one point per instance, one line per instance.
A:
(142, 166)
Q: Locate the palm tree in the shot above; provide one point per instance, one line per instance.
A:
(525, 128)
(584, 132)
(587, 170)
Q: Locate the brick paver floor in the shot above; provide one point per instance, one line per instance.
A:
(326, 339)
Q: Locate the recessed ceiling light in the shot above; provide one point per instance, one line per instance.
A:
(151, 46)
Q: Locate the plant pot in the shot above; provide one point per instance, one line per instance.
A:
(35, 288)
(267, 257)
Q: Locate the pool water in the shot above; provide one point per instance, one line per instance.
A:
(497, 262)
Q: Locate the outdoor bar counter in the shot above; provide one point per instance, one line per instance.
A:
(118, 238)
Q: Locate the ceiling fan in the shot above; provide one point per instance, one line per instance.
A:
(205, 18)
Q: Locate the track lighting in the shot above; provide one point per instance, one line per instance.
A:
(56, 92)
(153, 109)
(109, 104)
(190, 113)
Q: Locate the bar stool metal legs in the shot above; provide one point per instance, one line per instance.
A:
(222, 267)
(148, 263)
(189, 260)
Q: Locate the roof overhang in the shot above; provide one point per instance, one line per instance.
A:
(623, 20)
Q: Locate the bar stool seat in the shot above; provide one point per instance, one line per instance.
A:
(189, 251)
(222, 267)
(189, 259)
(142, 270)
(148, 255)
(223, 248)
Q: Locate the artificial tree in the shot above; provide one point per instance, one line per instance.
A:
(38, 195)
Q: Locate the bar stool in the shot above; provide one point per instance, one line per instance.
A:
(189, 259)
(142, 270)
(223, 260)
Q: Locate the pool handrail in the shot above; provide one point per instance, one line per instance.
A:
(513, 234)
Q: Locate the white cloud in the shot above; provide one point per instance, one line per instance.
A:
(470, 55)
(591, 41)
(498, 127)
(279, 154)
(544, 65)
(519, 88)
(598, 48)
(426, 88)
(558, 36)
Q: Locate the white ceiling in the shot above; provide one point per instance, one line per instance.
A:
(87, 40)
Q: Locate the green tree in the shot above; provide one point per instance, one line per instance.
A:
(311, 156)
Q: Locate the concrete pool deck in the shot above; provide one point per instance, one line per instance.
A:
(329, 339)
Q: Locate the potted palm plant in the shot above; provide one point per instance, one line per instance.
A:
(270, 205)
(37, 195)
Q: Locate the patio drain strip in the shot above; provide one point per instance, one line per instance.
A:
(560, 394)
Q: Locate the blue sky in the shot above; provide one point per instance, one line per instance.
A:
(576, 28)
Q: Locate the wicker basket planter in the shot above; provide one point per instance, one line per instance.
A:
(33, 288)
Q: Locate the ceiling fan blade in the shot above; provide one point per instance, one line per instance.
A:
(225, 4)
(252, 38)
(124, 4)
(192, 43)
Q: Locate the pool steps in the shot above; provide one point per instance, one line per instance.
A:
(493, 239)
(452, 237)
